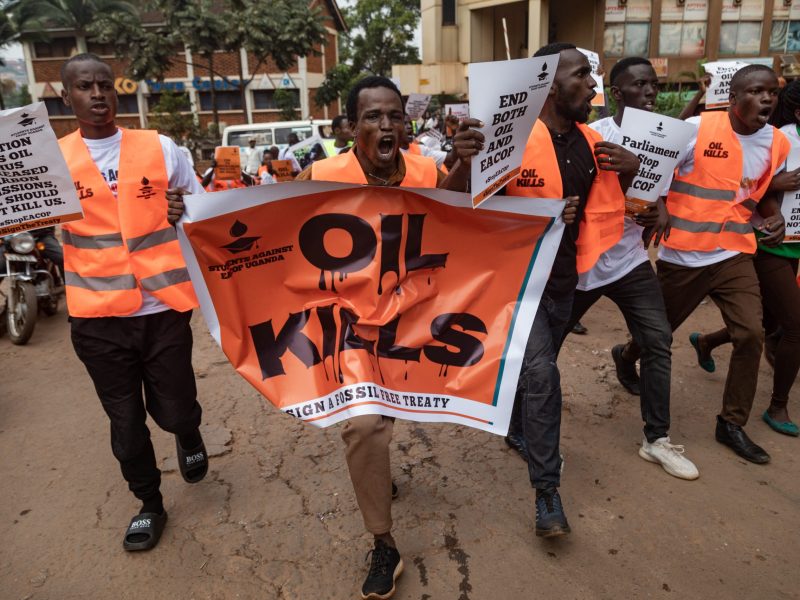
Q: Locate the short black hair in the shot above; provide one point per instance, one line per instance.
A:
(372, 81)
(337, 122)
(738, 77)
(82, 57)
(788, 102)
(554, 48)
(625, 64)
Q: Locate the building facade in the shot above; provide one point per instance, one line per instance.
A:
(189, 75)
(675, 34)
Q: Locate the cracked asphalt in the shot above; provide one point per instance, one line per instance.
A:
(276, 517)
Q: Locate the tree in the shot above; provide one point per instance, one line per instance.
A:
(169, 117)
(286, 101)
(12, 21)
(278, 31)
(381, 35)
(76, 15)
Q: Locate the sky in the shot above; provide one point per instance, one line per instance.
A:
(12, 51)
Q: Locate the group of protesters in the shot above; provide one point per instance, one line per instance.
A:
(718, 226)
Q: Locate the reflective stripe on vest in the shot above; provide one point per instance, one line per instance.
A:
(345, 168)
(123, 245)
(705, 214)
(97, 242)
(604, 214)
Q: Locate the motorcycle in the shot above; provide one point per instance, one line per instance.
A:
(35, 282)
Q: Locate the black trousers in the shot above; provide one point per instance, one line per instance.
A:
(126, 356)
(638, 296)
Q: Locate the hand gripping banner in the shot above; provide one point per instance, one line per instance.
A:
(338, 300)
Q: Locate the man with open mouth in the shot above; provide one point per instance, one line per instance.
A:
(708, 250)
(375, 110)
(624, 274)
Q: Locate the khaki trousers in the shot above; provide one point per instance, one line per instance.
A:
(366, 441)
(733, 286)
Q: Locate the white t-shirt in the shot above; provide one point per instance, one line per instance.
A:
(105, 154)
(628, 253)
(756, 155)
(252, 160)
(436, 155)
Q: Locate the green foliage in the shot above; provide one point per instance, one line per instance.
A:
(71, 14)
(381, 35)
(286, 102)
(168, 116)
(21, 96)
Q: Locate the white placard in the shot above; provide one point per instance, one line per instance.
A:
(659, 142)
(36, 189)
(416, 105)
(508, 108)
(718, 93)
(594, 60)
(790, 206)
(461, 111)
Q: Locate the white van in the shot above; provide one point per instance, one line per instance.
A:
(274, 134)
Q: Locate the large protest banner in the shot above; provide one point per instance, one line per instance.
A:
(337, 300)
(36, 189)
(718, 92)
(508, 108)
(790, 206)
(659, 142)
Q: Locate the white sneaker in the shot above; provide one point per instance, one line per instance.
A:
(670, 457)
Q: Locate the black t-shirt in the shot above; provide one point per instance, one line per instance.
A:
(578, 170)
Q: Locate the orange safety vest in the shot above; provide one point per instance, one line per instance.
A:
(345, 168)
(604, 214)
(122, 245)
(413, 148)
(219, 185)
(704, 212)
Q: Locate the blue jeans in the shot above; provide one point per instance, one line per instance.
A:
(638, 296)
(537, 405)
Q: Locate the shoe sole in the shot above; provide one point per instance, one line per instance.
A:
(739, 454)
(398, 570)
(650, 459)
(553, 532)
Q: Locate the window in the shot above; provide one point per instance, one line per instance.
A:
(56, 107)
(55, 48)
(128, 104)
(230, 100)
(683, 28)
(738, 34)
(448, 12)
(627, 30)
(154, 99)
(100, 49)
(785, 34)
(265, 99)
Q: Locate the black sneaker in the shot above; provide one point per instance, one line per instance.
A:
(626, 371)
(385, 568)
(550, 518)
(516, 441)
